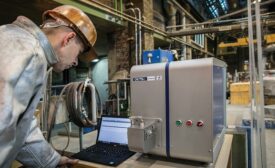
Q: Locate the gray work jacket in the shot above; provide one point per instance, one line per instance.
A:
(25, 53)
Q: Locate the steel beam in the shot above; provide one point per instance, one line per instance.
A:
(93, 11)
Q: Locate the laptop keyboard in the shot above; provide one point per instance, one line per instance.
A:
(108, 150)
(113, 130)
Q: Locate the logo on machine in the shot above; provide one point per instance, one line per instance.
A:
(151, 78)
(148, 78)
(140, 79)
(159, 78)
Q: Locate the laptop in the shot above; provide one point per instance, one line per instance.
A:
(111, 146)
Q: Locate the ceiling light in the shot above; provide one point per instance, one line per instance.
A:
(256, 0)
(95, 60)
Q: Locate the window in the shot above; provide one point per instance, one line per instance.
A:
(199, 39)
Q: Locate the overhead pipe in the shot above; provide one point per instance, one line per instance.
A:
(183, 10)
(124, 16)
(141, 23)
(212, 29)
(266, 15)
(203, 30)
(186, 13)
(203, 24)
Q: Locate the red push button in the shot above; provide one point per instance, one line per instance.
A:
(200, 123)
(189, 123)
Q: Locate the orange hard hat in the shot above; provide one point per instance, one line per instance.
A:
(80, 23)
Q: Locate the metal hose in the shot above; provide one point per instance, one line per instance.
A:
(81, 104)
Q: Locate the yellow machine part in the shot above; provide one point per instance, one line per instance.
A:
(270, 38)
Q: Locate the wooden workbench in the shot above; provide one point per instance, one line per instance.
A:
(146, 161)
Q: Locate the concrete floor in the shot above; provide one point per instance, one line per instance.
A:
(270, 147)
(235, 114)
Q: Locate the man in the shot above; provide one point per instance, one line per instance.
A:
(25, 53)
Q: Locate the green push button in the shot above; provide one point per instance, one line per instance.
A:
(178, 123)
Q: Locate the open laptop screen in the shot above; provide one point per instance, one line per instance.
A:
(114, 130)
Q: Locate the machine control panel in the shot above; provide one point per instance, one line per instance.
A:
(178, 123)
(189, 123)
(200, 123)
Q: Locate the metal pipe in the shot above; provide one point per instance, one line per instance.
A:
(203, 30)
(136, 40)
(141, 23)
(118, 99)
(115, 4)
(205, 23)
(129, 99)
(46, 103)
(212, 29)
(139, 34)
(94, 106)
(122, 15)
(76, 94)
(261, 72)
(252, 79)
(182, 9)
(183, 52)
(125, 90)
(192, 46)
(244, 19)
(57, 86)
(186, 13)
(121, 6)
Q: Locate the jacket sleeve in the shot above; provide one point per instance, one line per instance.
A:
(21, 75)
(36, 151)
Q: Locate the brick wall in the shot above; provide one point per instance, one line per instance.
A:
(148, 43)
(118, 56)
(158, 16)
(146, 7)
(159, 20)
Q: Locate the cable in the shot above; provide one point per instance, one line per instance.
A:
(81, 107)
(80, 104)
(99, 101)
(52, 120)
(68, 141)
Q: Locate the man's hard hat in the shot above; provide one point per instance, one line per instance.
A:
(80, 23)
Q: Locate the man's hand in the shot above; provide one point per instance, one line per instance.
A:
(64, 161)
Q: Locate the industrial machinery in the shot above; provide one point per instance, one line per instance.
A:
(157, 56)
(178, 109)
(118, 102)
